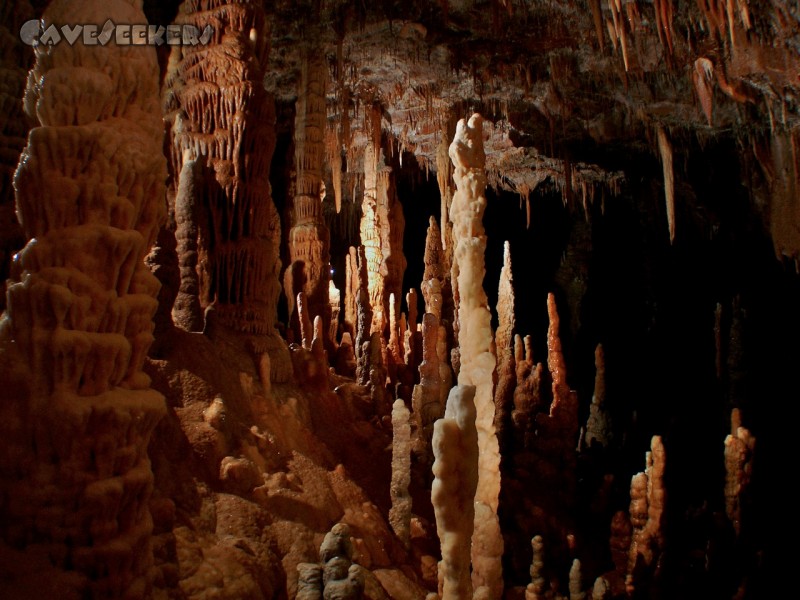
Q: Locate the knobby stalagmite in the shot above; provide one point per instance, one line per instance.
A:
(477, 360)
(79, 411)
(400, 513)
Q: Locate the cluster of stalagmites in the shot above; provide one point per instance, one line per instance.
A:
(79, 411)
(336, 576)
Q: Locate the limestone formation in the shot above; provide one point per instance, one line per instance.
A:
(309, 239)
(537, 588)
(477, 362)
(598, 427)
(504, 342)
(433, 277)
(221, 117)
(14, 124)
(647, 514)
(78, 412)
(400, 513)
(455, 446)
(739, 449)
(426, 396)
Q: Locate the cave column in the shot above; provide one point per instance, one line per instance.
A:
(78, 410)
(309, 238)
(221, 117)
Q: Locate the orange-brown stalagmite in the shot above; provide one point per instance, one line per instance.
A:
(14, 124)
(504, 342)
(739, 449)
(220, 116)
(78, 411)
(309, 239)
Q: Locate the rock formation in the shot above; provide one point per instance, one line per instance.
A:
(79, 413)
(400, 513)
(739, 449)
(477, 362)
(222, 118)
(455, 446)
(309, 239)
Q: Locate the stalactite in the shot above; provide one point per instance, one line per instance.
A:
(75, 476)
(702, 77)
(219, 115)
(400, 513)
(739, 450)
(504, 342)
(598, 426)
(455, 446)
(477, 361)
(309, 238)
(665, 149)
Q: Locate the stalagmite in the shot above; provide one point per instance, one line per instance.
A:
(598, 427)
(455, 446)
(665, 149)
(527, 393)
(78, 410)
(504, 342)
(426, 396)
(411, 335)
(395, 343)
(477, 361)
(537, 587)
(646, 512)
(400, 513)
(371, 225)
(335, 301)
(433, 277)
(306, 329)
(351, 291)
(187, 312)
(14, 125)
(309, 239)
(739, 449)
(576, 581)
(364, 318)
(220, 116)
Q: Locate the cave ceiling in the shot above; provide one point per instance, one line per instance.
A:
(556, 80)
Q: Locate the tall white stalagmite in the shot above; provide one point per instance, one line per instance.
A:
(665, 149)
(455, 446)
(475, 340)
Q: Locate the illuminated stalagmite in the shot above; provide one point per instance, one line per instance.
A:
(433, 277)
(78, 410)
(382, 225)
(647, 513)
(220, 116)
(400, 513)
(475, 342)
(455, 446)
(739, 448)
(309, 239)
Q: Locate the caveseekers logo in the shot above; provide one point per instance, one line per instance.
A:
(33, 33)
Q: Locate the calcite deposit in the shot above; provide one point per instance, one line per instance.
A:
(261, 336)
